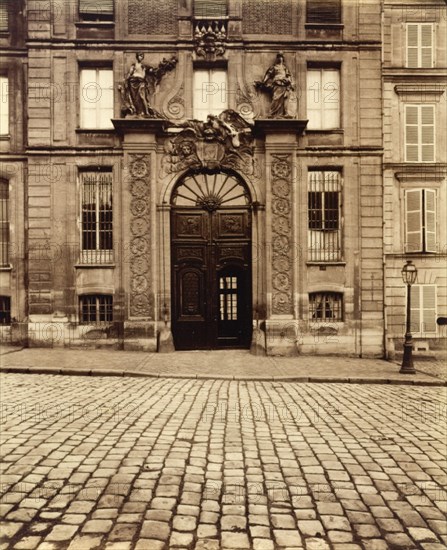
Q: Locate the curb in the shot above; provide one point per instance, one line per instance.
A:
(298, 379)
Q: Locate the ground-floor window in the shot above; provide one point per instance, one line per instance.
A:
(326, 306)
(96, 308)
(423, 310)
(5, 310)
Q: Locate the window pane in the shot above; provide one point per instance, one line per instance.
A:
(4, 106)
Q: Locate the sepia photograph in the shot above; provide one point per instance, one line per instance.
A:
(223, 274)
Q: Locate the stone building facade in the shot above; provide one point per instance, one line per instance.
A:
(260, 226)
(415, 155)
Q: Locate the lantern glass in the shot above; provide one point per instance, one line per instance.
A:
(409, 273)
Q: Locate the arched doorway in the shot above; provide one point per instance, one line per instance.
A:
(211, 261)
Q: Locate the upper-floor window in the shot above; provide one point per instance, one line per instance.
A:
(419, 133)
(4, 223)
(96, 98)
(420, 45)
(324, 234)
(423, 310)
(4, 106)
(96, 217)
(420, 220)
(4, 15)
(323, 11)
(210, 8)
(210, 95)
(96, 10)
(96, 309)
(323, 99)
(325, 306)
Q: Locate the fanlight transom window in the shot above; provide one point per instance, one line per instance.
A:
(210, 191)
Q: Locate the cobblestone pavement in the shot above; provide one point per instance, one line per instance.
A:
(152, 464)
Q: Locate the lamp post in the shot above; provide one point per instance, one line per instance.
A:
(409, 274)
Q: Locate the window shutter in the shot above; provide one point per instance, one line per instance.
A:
(413, 220)
(4, 15)
(412, 45)
(411, 133)
(415, 309)
(429, 308)
(323, 11)
(426, 46)
(430, 220)
(210, 8)
(96, 7)
(427, 133)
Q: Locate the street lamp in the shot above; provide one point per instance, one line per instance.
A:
(409, 274)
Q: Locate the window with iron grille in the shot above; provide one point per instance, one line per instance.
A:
(96, 309)
(321, 12)
(324, 227)
(325, 306)
(96, 10)
(5, 310)
(4, 15)
(96, 217)
(210, 8)
(4, 223)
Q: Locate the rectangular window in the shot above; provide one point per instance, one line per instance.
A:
(420, 220)
(4, 15)
(323, 99)
(96, 217)
(419, 133)
(324, 204)
(228, 298)
(325, 306)
(5, 310)
(211, 9)
(96, 309)
(210, 96)
(423, 310)
(322, 12)
(96, 98)
(96, 10)
(420, 45)
(4, 223)
(4, 106)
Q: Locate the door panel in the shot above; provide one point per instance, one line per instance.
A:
(211, 278)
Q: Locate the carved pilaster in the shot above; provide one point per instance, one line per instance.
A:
(141, 299)
(281, 181)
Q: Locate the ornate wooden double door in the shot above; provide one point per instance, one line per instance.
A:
(211, 263)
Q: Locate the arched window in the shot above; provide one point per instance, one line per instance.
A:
(4, 223)
(210, 191)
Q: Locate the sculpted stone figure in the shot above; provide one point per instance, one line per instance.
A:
(278, 81)
(139, 87)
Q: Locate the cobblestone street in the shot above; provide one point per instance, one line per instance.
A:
(158, 463)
